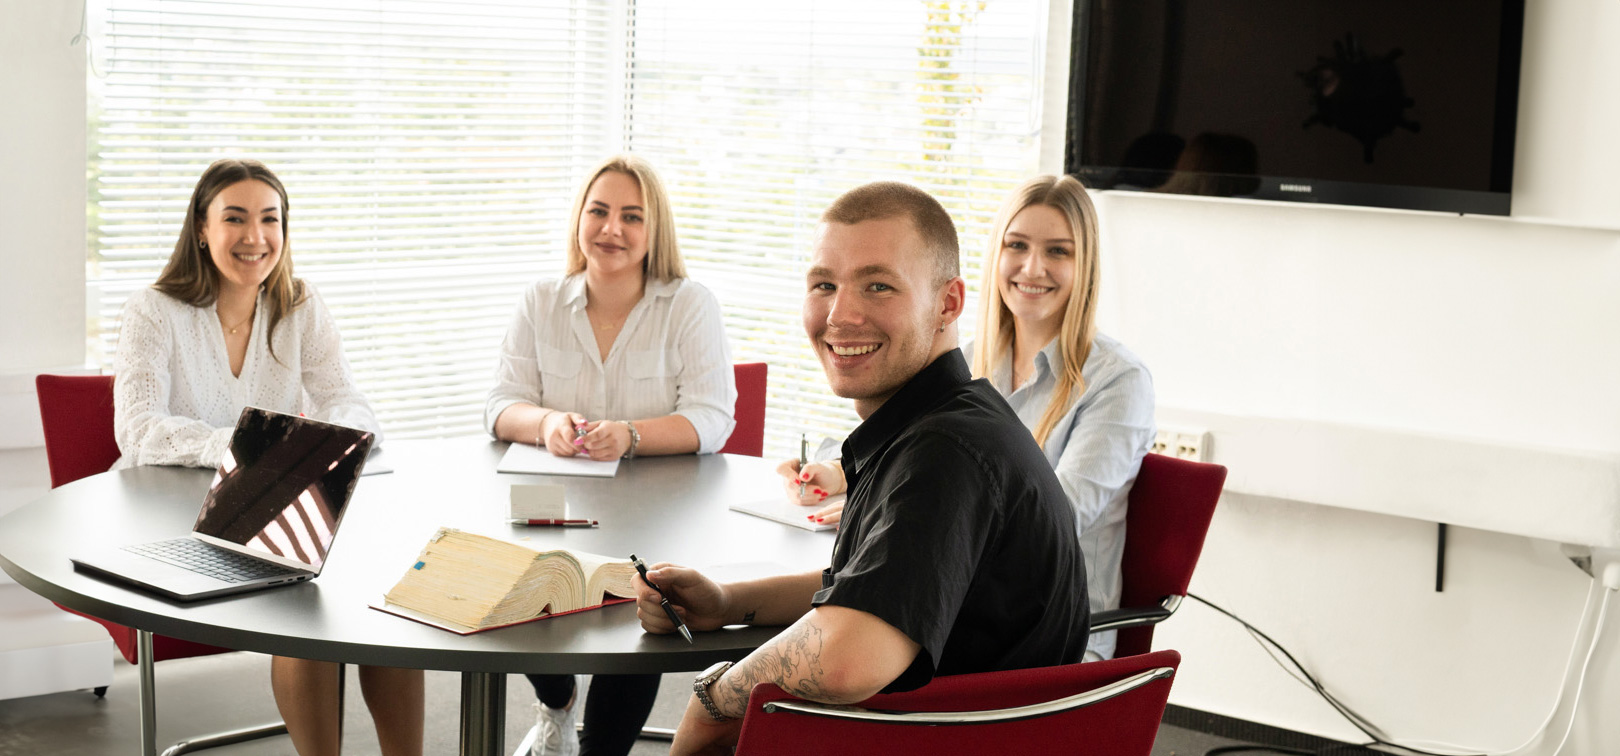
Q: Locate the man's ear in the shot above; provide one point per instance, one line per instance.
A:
(952, 300)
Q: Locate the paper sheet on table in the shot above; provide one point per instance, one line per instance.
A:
(533, 460)
(780, 509)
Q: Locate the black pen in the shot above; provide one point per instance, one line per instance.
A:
(641, 567)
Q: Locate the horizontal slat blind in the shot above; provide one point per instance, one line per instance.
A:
(430, 149)
(760, 114)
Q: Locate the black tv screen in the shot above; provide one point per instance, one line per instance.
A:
(1407, 104)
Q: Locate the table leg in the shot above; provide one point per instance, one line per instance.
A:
(148, 693)
(483, 714)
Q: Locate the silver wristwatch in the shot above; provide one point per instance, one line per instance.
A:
(700, 687)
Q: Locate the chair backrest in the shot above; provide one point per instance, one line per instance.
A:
(749, 435)
(77, 413)
(1170, 507)
(1123, 725)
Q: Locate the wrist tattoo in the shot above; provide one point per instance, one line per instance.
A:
(748, 618)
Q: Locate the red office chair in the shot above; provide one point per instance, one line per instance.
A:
(749, 435)
(1108, 707)
(1166, 520)
(77, 414)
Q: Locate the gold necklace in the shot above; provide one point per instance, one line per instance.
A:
(233, 329)
(605, 325)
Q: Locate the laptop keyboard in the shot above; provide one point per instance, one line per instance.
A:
(209, 560)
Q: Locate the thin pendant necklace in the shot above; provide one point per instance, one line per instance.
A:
(233, 329)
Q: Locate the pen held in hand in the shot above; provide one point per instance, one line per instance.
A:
(669, 610)
(804, 457)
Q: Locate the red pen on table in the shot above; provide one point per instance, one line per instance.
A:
(558, 523)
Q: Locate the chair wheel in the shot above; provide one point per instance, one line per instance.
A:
(101, 692)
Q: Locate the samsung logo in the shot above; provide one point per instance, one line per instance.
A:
(1306, 188)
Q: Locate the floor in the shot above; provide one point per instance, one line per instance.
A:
(233, 690)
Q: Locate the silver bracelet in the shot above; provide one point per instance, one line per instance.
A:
(635, 439)
(540, 428)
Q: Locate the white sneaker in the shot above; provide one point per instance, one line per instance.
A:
(554, 733)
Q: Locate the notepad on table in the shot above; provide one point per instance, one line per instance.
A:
(533, 460)
(782, 510)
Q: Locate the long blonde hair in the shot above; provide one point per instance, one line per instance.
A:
(1068, 196)
(663, 260)
(190, 275)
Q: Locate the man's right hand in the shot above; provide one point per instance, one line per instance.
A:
(701, 602)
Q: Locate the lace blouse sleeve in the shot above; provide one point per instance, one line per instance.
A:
(326, 374)
(147, 434)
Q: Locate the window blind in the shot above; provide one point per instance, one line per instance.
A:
(758, 115)
(430, 150)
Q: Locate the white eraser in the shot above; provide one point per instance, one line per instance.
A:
(538, 502)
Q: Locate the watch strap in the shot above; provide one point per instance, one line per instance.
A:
(700, 688)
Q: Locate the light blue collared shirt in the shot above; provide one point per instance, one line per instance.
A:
(1096, 450)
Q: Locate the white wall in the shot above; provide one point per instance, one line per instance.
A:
(1282, 325)
(42, 205)
(1496, 331)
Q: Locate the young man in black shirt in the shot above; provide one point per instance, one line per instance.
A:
(957, 551)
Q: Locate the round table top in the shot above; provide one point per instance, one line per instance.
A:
(673, 509)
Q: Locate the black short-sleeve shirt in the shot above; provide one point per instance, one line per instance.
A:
(957, 533)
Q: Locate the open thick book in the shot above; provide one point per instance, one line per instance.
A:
(467, 583)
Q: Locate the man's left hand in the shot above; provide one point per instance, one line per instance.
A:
(699, 735)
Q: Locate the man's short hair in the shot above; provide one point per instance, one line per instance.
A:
(880, 200)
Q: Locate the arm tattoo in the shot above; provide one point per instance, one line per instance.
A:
(791, 660)
(748, 618)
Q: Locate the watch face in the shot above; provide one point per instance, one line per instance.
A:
(711, 674)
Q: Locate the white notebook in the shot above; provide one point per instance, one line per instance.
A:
(782, 510)
(533, 460)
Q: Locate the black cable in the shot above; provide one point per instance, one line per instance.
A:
(1361, 723)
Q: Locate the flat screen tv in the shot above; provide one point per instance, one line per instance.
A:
(1388, 103)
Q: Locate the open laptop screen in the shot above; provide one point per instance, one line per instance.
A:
(283, 485)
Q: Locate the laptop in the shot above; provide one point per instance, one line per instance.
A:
(269, 518)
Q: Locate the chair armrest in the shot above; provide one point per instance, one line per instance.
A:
(1016, 713)
(1115, 619)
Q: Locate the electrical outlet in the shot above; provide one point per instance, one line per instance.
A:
(1182, 443)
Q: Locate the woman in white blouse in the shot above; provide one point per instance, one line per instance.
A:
(1087, 399)
(226, 326)
(622, 357)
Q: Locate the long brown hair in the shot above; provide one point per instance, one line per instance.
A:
(1068, 196)
(191, 277)
(663, 261)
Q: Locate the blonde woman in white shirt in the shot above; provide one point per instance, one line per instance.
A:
(226, 326)
(1087, 399)
(633, 353)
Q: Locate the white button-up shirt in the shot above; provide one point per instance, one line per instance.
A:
(175, 401)
(670, 358)
(1096, 449)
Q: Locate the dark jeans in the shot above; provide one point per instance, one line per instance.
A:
(615, 709)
